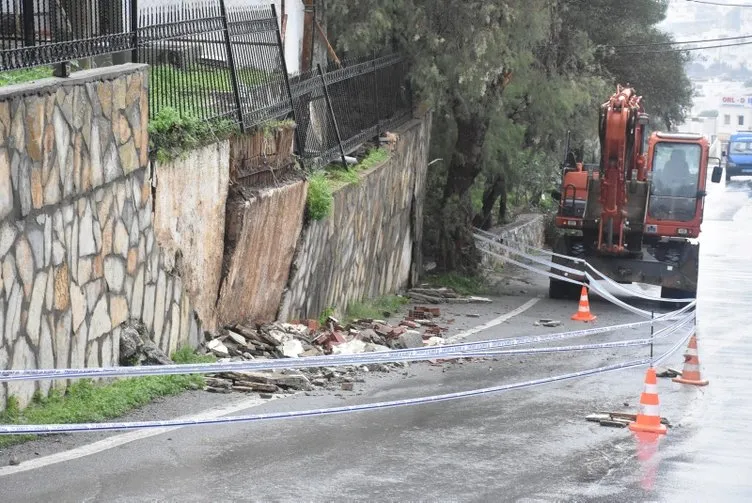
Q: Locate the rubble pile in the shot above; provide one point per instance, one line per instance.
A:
(251, 341)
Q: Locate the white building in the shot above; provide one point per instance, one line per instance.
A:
(734, 114)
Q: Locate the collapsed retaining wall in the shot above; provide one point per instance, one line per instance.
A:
(93, 237)
(369, 245)
(77, 245)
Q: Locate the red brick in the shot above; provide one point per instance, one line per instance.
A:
(397, 331)
(322, 338)
(311, 324)
(382, 330)
(410, 324)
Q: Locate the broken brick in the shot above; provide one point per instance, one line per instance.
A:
(396, 332)
(410, 324)
(312, 325)
(382, 330)
(322, 338)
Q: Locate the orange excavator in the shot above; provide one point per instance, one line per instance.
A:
(636, 215)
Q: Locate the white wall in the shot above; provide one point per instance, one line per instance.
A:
(293, 39)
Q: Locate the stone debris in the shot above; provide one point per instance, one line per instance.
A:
(443, 296)
(547, 323)
(136, 348)
(300, 339)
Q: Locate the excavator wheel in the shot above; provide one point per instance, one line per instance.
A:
(564, 290)
(676, 293)
(558, 289)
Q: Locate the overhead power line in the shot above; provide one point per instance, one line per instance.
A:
(678, 42)
(719, 4)
(688, 48)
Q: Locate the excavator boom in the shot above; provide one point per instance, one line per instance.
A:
(633, 216)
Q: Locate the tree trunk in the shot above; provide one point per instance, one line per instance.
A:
(457, 246)
(495, 189)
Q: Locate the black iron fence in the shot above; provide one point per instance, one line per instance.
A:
(47, 32)
(213, 62)
(338, 110)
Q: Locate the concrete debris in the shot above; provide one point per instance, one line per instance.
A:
(219, 349)
(617, 419)
(353, 347)
(443, 296)
(137, 348)
(410, 339)
(304, 338)
(547, 323)
(435, 341)
(667, 372)
(292, 348)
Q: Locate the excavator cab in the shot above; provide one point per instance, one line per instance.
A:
(677, 167)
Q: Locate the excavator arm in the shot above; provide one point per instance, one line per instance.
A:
(621, 139)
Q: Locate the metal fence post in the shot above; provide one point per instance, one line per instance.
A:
(134, 31)
(377, 116)
(28, 22)
(298, 145)
(231, 62)
(331, 112)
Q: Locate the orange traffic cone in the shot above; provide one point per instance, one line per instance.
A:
(583, 312)
(649, 417)
(691, 372)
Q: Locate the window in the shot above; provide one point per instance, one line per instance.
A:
(673, 194)
(741, 120)
(727, 120)
(741, 147)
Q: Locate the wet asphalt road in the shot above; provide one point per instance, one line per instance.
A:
(524, 445)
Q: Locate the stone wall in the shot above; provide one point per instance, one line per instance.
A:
(368, 246)
(527, 229)
(77, 245)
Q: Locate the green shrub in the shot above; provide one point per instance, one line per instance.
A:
(320, 199)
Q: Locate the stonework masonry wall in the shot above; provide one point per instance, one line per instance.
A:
(368, 246)
(94, 236)
(77, 246)
(527, 229)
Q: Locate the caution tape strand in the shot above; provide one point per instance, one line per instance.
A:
(453, 351)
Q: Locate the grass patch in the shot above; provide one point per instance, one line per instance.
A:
(374, 158)
(269, 128)
(320, 200)
(380, 307)
(12, 77)
(463, 285)
(340, 176)
(86, 401)
(173, 133)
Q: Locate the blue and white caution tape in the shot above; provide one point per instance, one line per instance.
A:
(453, 351)
(589, 278)
(133, 425)
(493, 239)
